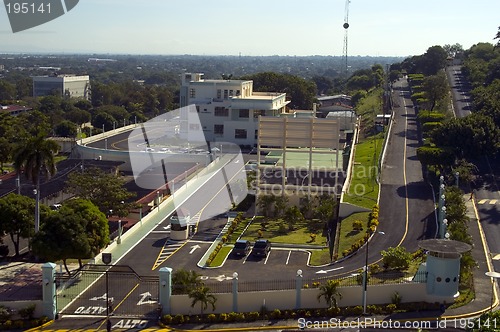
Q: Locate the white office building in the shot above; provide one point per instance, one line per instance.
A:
(229, 110)
(69, 86)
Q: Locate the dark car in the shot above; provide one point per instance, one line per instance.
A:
(261, 248)
(241, 248)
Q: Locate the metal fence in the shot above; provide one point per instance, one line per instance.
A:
(382, 278)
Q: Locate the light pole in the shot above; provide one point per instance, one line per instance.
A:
(493, 275)
(105, 144)
(119, 239)
(36, 192)
(158, 199)
(365, 273)
(18, 184)
(457, 174)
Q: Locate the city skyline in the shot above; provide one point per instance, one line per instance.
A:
(388, 28)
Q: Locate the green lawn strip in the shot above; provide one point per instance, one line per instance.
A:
(226, 249)
(368, 108)
(300, 235)
(347, 235)
(221, 256)
(320, 257)
(363, 189)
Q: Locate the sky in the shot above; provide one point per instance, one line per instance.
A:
(257, 27)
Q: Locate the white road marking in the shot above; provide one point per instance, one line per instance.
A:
(288, 258)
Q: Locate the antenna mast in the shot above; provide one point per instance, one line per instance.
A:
(346, 27)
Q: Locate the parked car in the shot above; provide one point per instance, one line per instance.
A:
(241, 248)
(261, 248)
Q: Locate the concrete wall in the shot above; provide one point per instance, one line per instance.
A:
(285, 299)
(18, 305)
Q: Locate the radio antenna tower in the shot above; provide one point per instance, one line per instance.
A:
(346, 27)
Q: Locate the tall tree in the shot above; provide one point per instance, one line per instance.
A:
(436, 88)
(16, 218)
(329, 292)
(202, 295)
(94, 222)
(61, 237)
(104, 189)
(36, 158)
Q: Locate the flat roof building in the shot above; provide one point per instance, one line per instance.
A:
(229, 109)
(68, 86)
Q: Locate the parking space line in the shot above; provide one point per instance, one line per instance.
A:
(245, 259)
(267, 257)
(288, 258)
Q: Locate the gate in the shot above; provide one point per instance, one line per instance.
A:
(102, 290)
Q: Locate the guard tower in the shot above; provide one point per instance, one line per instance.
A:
(179, 222)
(443, 268)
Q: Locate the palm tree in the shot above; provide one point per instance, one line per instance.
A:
(329, 292)
(202, 294)
(36, 157)
(265, 202)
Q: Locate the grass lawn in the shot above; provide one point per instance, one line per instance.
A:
(320, 257)
(221, 256)
(363, 190)
(347, 235)
(278, 232)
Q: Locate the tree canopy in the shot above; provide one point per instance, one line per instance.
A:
(103, 189)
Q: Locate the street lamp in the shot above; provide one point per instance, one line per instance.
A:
(158, 199)
(365, 273)
(493, 275)
(457, 174)
(36, 192)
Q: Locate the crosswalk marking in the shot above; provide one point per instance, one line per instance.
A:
(496, 257)
(487, 201)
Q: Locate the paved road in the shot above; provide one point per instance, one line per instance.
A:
(406, 204)
(460, 89)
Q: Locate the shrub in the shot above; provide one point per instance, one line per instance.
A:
(167, 319)
(4, 314)
(313, 237)
(390, 308)
(28, 312)
(315, 284)
(357, 225)
(260, 233)
(211, 318)
(253, 316)
(223, 318)
(232, 317)
(276, 314)
(178, 319)
(374, 268)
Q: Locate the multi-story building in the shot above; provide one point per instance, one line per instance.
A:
(69, 86)
(229, 110)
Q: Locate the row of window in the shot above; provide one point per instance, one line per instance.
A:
(227, 93)
(238, 133)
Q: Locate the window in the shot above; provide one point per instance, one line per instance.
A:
(219, 93)
(256, 134)
(225, 94)
(231, 93)
(221, 111)
(197, 109)
(238, 93)
(240, 133)
(219, 129)
(244, 113)
(192, 93)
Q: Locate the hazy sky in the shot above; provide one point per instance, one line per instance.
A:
(258, 27)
